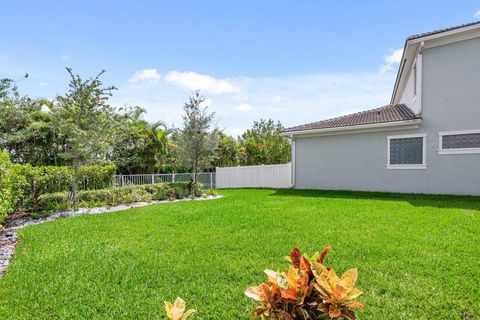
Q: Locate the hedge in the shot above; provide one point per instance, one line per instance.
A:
(116, 196)
(7, 189)
(52, 179)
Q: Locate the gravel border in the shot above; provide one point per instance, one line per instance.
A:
(8, 236)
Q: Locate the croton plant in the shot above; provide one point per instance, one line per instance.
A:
(177, 310)
(306, 290)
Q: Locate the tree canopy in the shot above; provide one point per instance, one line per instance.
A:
(81, 124)
(198, 137)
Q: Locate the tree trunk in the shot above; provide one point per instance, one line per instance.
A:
(195, 168)
(74, 186)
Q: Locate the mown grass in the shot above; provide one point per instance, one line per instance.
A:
(418, 256)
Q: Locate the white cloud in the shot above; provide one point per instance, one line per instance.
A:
(42, 84)
(149, 76)
(277, 98)
(477, 14)
(207, 103)
(65, 57)
(244, 107)
(394, 58)
(291, 99)
(203, 82)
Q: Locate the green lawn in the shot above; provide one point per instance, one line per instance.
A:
(418, 256)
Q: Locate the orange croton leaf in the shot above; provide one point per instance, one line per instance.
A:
(349, 278)
(355, 304)
(354, 293)
(305, 265)
(318, 269)
(323, 254)
(292, 277)
(289, 294)
(296, 257)
(339, 293)
(254, 293)
(272, 275)
(334, 312)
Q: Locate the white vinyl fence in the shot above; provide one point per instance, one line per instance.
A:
(205, 178)
(263, 176)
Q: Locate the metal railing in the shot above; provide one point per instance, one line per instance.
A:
(207, 179)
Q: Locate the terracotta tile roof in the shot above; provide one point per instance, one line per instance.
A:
(388, 113)
(421, 35)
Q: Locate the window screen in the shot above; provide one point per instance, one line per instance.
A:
(461, 141)
(406, 151)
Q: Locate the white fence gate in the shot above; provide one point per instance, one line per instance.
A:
(263, 176)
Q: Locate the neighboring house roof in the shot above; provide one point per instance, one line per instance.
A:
(385, 114)
(426, 34)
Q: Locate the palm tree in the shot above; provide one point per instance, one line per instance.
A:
(158, 135)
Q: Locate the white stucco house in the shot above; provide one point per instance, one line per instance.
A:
(427, 140)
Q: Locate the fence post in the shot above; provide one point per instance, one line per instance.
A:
(262, 183)
(153, 178)
(173, 177)
(211, 181)
(123, 180)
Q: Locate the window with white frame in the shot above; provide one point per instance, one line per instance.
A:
(459, 142)
(407, 152)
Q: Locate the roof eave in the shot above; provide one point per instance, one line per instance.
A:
(364, 128)
(415, 42)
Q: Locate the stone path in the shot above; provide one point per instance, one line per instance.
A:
(8, 236)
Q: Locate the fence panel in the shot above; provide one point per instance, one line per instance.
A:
(205, 178)
(264, 176)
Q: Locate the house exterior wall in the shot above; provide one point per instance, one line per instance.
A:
(408, 96)
(450, 102)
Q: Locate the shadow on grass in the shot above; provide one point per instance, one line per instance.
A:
(418, 200)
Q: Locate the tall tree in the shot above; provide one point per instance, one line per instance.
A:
(86, 121)
(199, 136)
(228, 152)
(26, 129)
(140, 146)
(264, 144)
(28, 134)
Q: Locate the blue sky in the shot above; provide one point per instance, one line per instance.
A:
(293, 61)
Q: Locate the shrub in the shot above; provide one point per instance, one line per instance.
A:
(173, 190)
(104, 196)
(130, 194)
(91, 204)
(96, 177)
(52, 202)
(51, 179)
(115, 196)
(197, 189)
(21, 184)
(58, 201)
(8, 196)
(161, 191)
(210, 192)
(307, 290)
